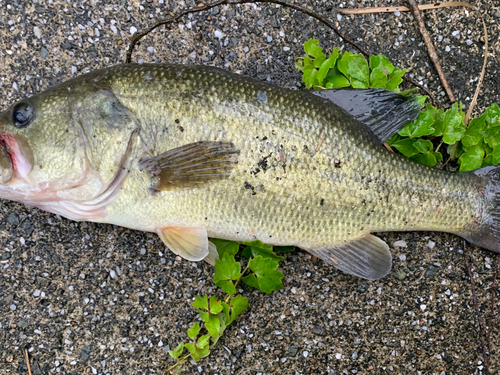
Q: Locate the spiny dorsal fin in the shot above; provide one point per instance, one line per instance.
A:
(385, 112)
(191, 165)
(367, 257)
(191, 243)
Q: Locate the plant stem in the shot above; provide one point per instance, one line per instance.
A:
(179, 362)
(237, 282)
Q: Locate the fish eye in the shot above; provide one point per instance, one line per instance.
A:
(23, 114)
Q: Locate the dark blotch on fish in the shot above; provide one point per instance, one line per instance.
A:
(249, 186)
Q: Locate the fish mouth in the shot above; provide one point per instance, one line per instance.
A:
(16, 158)
(6, 166)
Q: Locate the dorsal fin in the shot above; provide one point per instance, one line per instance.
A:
(383, 111)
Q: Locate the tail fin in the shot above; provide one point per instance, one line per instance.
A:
(487, 234)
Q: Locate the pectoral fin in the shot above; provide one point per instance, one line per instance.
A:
(191, 243)
(191, 165)
(367, 257)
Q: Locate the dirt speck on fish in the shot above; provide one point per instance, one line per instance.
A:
(193, 152)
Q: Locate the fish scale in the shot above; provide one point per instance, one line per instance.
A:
(307, 172)
(342, 188)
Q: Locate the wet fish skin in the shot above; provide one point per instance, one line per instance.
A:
(307, 174)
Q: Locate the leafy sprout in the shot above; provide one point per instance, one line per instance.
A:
(435, 136)
(216, 315)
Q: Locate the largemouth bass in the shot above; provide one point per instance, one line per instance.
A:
(196, 152)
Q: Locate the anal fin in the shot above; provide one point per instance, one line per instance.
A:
(367, 257)
(191, 243)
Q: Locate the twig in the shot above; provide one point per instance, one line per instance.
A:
(431, 96)
(138, 36)
(479, 83)
(446, 4)
(27, 357)
(483, 71)
(175, 18)
(430, 48)
(386, 145)
(492, 311)
(476, 307)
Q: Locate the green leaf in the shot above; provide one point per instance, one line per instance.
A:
(421, 100)
(355, 67)
(421, 126)
(488, 160)
(381, 68)
(359, 84)
(395, 79)
(238, 304)
(309, 76)
(226, 270)
(396, 137)
(201, 302)
(177, 352)
(492, 137)
(225, 313)
(213, 327)
(454, 125)
(326, 66)
(215, 305)
(405, 146)
(193, 331)
(284, 249)
(474, 133)
(247, 252)
(251, 280)
(428, 159)
(308, 62)
(319, 61)
(495, 156)
(423, 145)
(312, 49)
(337, 81)
(471, 159)
(299, 63)
(492, 115)
(224, 246)
(266, 251)
(197, 353)
(438, 122)
(224, 321)
(203, 341)
(265, 271)
(205, 316)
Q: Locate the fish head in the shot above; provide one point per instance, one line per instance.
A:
(41, 148)
(65, 144)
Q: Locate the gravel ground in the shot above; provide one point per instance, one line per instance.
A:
(97, 299)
